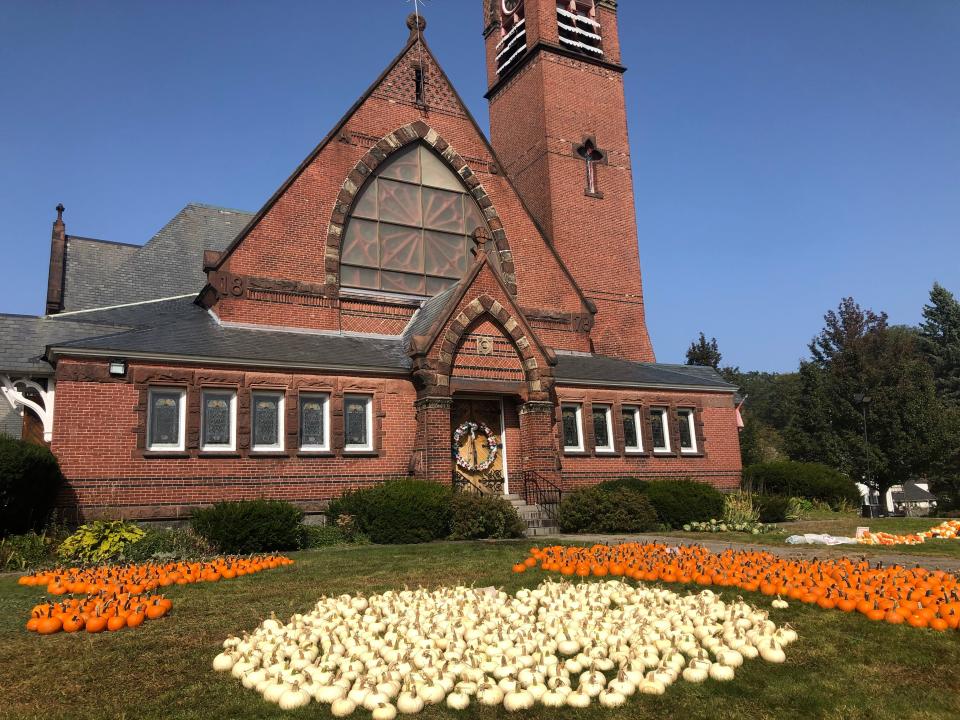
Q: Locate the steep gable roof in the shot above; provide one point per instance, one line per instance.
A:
(454, 101)
(90, 264)
(101, 274)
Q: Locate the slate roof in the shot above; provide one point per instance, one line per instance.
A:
(23, 339)
(171, 263)
(89, 263)
(423, 319)
(180, 328)
(600, 370)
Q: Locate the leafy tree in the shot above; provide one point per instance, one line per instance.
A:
(940, 340)
(704, 352)
(857, 354)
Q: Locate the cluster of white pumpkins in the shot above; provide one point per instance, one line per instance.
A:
(558, 644)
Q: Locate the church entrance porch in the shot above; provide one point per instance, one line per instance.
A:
(479, 445)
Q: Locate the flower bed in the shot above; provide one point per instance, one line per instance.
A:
(947, 530)
(918, 597)
(120, 596)
(559, 644)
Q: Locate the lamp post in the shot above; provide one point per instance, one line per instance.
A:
(863, 400)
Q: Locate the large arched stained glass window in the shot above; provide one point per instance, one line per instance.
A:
(410, 230)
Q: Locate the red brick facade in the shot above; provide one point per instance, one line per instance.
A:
(559, 272)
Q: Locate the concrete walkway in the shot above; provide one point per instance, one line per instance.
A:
(799, 552)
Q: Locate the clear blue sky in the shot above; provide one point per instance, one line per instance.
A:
(785, 153)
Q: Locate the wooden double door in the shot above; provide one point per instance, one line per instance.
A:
(474, 447)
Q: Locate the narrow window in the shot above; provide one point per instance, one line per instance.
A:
(591, 158)
(688, 435)
(632, 442)
(218, 420)
(314, 422)
(602, 431)
(166, 419)
(572, 429)
(358, 423)
(418, 83)
(658, 427)
(267, 421)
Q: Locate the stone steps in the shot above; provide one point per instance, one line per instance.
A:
(538, 521)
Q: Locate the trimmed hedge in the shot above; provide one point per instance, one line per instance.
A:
(602, 510)
(772, 508)
(29, 481)
(398, 511)
(474, 517)
(807, 480)
(630, 483)
(679, 502)
(250, 526)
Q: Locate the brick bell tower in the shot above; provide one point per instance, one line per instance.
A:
(558, 123)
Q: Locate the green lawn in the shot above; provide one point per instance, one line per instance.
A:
(842, 667)
(845, 525)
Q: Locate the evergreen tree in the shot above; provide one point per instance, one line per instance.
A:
(940, 340)
(857, 354)
(704, 352)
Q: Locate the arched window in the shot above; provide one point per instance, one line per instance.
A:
(410, 230)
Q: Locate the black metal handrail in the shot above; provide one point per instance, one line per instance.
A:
(540, 491)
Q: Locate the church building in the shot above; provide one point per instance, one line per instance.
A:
(416, 299)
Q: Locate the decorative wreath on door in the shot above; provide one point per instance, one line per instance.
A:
(473, 429)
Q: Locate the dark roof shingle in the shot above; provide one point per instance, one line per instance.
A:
(600, 370)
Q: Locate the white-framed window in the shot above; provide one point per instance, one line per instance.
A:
(659, 429)
(166, 419)
(572, 421)
(632, 437)
(357, 423)
(315, 422)
(602, 429)
(218, 420)
(688, 432)
(266, 421)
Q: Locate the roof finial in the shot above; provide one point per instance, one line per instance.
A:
(415, 21)
(60, 208)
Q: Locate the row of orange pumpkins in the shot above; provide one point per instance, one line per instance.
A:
(917, 596)
(124, 596)
(947, 530)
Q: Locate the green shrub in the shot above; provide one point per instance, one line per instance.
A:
(812, 481)
(100, 541)
(679, 502)
(168, 544)
(599, 510)
(250, 526)
(473, 517)
(27, 551)
(29, 481)
(326, 535)
(398, 511)
(631, 483)
(772, 508)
